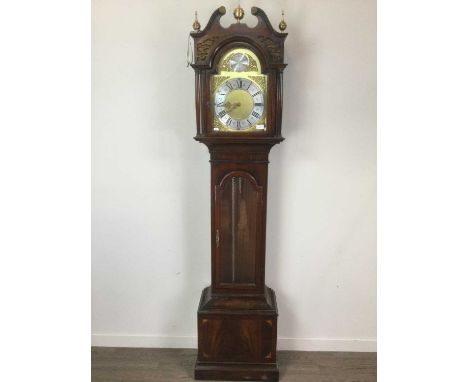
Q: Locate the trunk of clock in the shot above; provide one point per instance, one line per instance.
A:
(237, 315)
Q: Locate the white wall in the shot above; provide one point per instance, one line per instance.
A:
(150, 179)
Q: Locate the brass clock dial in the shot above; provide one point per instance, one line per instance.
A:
(239, 93)
(239, 103)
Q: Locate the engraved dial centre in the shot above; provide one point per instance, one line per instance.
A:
(239, 104)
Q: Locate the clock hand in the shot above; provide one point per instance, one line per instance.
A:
(231, 107)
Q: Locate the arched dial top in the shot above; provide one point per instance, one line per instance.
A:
(239, 93)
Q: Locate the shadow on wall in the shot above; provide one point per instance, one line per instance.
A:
(300, 71)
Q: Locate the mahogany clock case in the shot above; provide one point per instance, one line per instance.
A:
(237, 314)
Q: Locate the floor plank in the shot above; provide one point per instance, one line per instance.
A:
(167, 365)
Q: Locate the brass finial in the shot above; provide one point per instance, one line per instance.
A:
(196, 25)
(282, 24)
(238, 13)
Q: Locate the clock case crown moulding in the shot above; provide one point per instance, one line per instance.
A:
(210, 44)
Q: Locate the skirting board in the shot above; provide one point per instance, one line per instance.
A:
(304, 344)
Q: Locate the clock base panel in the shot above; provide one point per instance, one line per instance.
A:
(237, 337)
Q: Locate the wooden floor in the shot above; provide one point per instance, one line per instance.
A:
(168, 365)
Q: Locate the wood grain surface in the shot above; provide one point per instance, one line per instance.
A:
(167, 365)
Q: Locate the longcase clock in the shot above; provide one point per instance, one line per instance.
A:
(238, 95)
